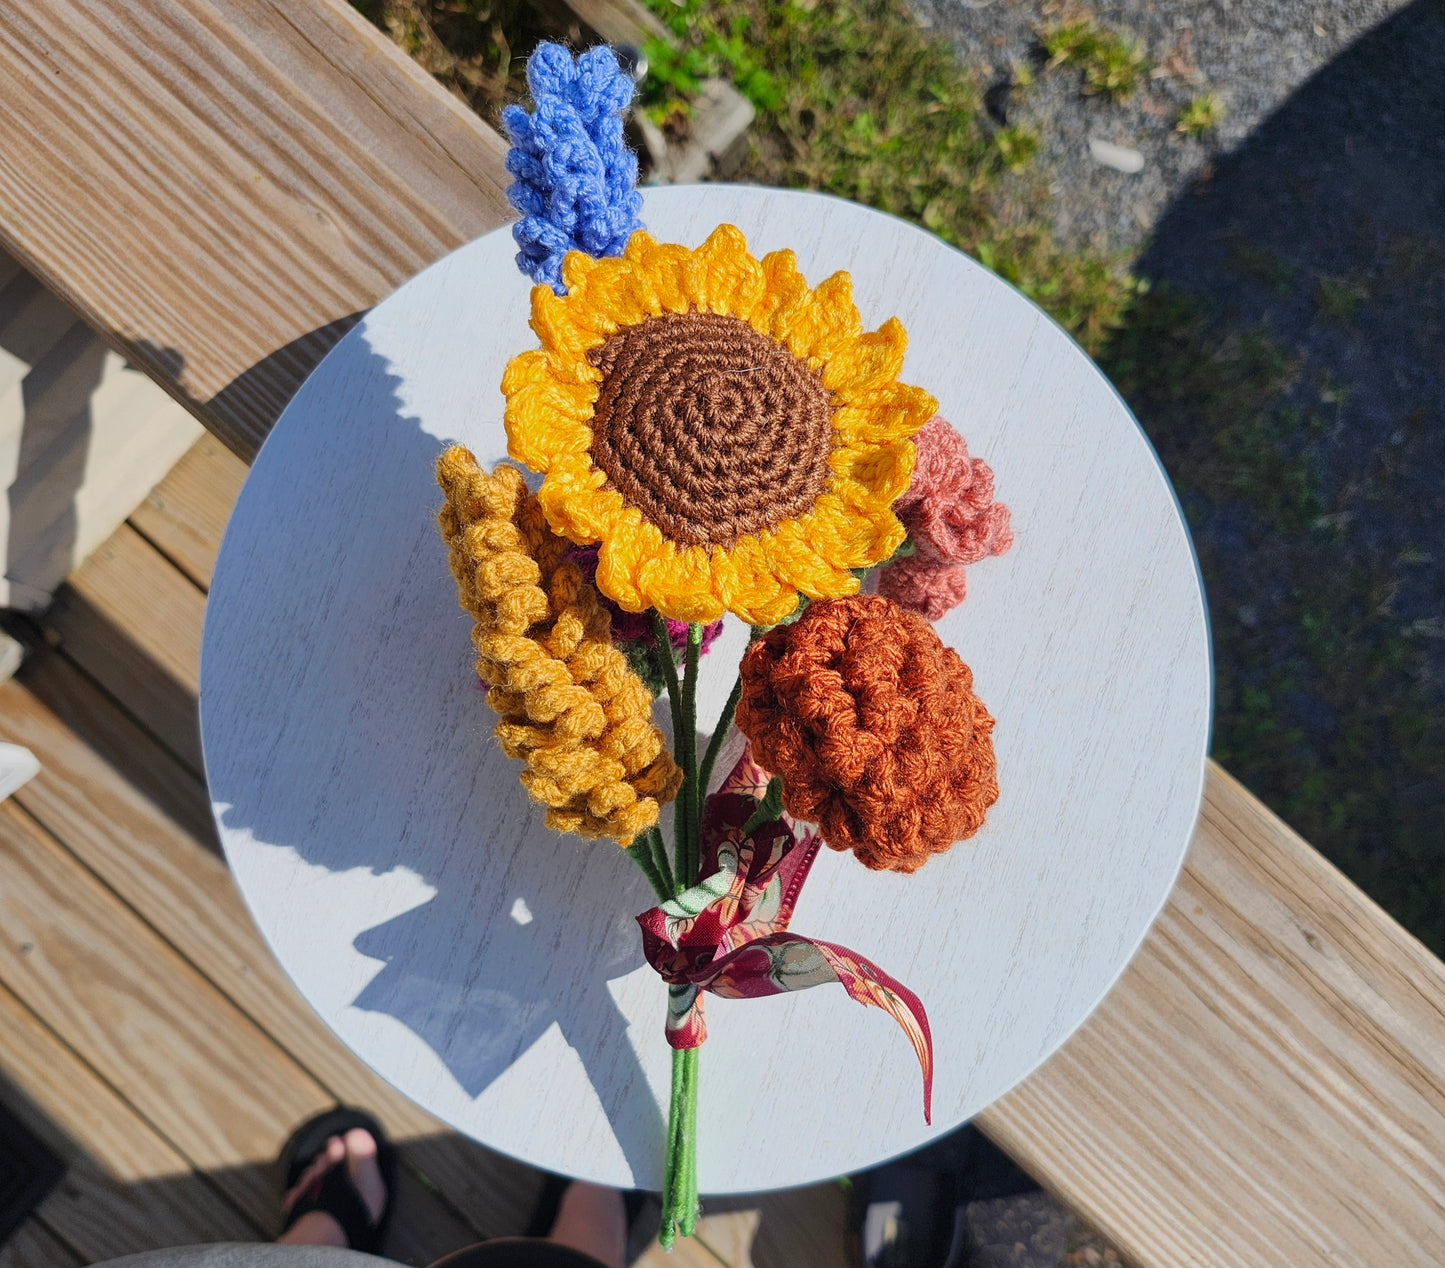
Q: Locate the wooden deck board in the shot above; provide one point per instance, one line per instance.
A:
(186, 892)
(125, 1189)
(185, 515)
(191, 1063)
(1266, 1083)
(136, 629)
(211, 1084)
(215, 184)
(32, 1245)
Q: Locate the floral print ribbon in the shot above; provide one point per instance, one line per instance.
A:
(728, 933)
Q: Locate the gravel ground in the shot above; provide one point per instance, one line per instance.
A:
(1250, 54)
(1315, 212)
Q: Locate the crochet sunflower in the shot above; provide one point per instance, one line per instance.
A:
(730, 436)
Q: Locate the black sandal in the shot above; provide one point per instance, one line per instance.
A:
(333, 1192)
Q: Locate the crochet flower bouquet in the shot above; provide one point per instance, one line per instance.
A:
(714, 435)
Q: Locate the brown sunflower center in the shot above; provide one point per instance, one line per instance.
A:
(713, 431)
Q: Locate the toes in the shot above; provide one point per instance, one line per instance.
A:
(359, 1144)
(365, 1174)
(333, 1152)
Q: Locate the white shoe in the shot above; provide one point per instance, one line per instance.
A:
(18, 766)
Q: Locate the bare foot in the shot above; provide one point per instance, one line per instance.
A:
(316, 1228)
(593, 1220)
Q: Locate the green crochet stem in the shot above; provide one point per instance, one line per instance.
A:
(642, 854)
(659, 855)
(679, 1188)
(679, 1185)
(714, 745)
(687, 876)
(683, 814)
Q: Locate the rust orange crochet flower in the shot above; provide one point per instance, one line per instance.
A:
(570, 706)
(874, 728)
(730, 435)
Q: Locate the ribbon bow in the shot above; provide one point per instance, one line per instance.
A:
(727, 934)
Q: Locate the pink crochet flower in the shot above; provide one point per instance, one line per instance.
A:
(952, 520)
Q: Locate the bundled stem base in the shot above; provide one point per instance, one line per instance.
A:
(679, 1190)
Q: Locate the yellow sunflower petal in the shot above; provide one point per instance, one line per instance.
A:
(855, 538)
(678, 584)
(576, 267)
(631, 542)
(753, 591)
(823, 323)
(575, 503)
(725, 267)
(883, 471)
(873, 359)
(782, 285)
(556, 325)
(545, 418)
(807, 558)
(617, 295)
(664, 264)
(553, 395)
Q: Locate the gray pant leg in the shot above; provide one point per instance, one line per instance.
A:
(249, 1255)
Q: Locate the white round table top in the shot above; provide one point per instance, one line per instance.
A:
(491, 969)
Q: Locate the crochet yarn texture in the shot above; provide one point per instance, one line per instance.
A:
(711, 430)
(575, 176)
(874, 728)
(731, 436)
(952, 520)
(570, 706)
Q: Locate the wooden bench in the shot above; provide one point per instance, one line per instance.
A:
(219, 187)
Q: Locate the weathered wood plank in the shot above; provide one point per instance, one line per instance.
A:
(125, 1188)
(32, 1245)
(186, 892)
(212, 1084)
(802, 1228)
(92, 752)
(213, 184)
(133, 623)
(1266, 1083)
(190, 1062)
(185, 515)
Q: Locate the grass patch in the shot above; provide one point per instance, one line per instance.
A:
(1249, 259)
(862, 103)
(1199, 116)
(675, 72)
(1324, 703)
(1113, 64)
(1339, 298)
(475, 48)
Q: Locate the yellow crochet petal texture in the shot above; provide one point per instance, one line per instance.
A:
(730, 510)
(678, 583)
(570, 706)
(875, 358)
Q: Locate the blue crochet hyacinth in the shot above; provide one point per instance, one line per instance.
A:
(575, 176)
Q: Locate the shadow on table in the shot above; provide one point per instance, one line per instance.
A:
(393, 782)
